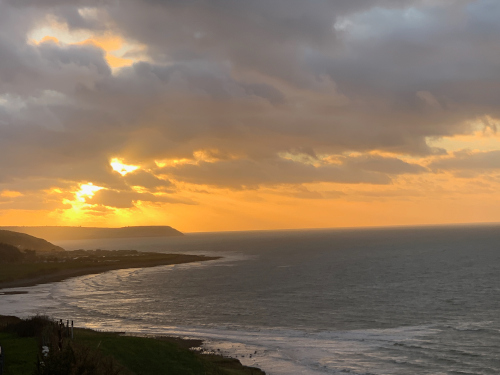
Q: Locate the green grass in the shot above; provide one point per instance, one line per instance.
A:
(149, 356)
(145, 356)
(134, 355)
(20, 354)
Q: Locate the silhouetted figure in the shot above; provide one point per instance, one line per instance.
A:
(60, 334)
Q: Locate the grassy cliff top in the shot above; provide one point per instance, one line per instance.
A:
(105, 353)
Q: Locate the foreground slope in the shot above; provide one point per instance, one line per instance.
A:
(104, 353)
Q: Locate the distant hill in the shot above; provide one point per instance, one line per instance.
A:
(53, 233)
(24, 241)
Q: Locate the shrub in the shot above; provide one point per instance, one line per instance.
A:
(32, 327)
(10, 254)
(76, 359)
(64, 357)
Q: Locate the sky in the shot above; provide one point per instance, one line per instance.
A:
(212, 115)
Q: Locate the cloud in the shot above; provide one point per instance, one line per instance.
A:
(32, 200)
(387, 165)
(128, 199)
(475, 162)
(146, 180)
(249, 80)
(245, 173)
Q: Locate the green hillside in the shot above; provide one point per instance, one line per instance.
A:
(24, 241)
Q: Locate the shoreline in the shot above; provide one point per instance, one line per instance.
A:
(213, 358)
(182, 352)
(195, 345)
(64, 274)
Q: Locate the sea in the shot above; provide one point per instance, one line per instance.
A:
(420, 300)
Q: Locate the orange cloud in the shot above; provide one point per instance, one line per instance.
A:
(11, 194)
(47, 39)
(111, 44)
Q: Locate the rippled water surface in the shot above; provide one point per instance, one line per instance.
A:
(391, 301)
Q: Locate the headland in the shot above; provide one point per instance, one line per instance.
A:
(54, 233)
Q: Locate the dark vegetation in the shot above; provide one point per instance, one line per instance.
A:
(10, 254)
(41, 346)
(24, 241)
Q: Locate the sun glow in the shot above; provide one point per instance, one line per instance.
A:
(120, 167)
(11, 194)
(208, 156)
(79, 204)
(174, 162)
(484, 136)
(86, 191)
(117, 49)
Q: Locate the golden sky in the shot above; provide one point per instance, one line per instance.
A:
(249, 115)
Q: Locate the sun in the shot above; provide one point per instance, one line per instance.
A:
(79, 204)
(86, 191)
(118, 166)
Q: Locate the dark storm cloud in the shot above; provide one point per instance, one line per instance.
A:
(249, 79)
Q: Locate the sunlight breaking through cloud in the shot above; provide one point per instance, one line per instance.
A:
(118, 166)
(86, 191)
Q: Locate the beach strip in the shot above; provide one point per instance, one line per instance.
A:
(24, 275)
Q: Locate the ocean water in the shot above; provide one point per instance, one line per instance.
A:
(367, 301)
